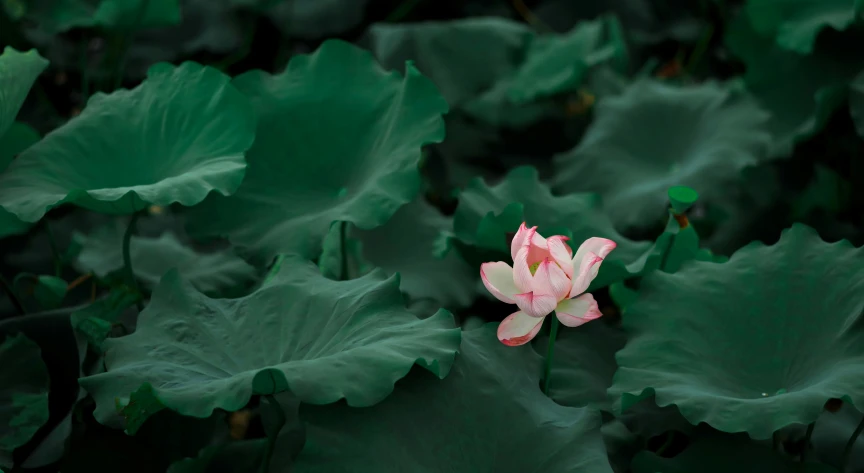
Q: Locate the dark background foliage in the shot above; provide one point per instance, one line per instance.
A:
(807, 177)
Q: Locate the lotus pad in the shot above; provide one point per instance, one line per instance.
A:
(794, 24)
(323, 340)
(488, 415)
(788, 316)
(486, 214)
(330, 146)
(699, 136)
(101, 253)
(179, 135)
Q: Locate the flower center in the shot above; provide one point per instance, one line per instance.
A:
(533, 267)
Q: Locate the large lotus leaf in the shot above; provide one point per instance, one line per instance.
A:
(488, 415)
(57, 16)
(559, 63)
(176, 137)
(23, 392)
(800, 92)
(486, 214)
(17, 138)
(722, 454)
(754, 344)
(699, 136)
(584, 363)
(856, 102)
(794, 24)
(18, 71)
(323, 340)
(101, 252)
(330, 146)
(407, 244)
(461, 73)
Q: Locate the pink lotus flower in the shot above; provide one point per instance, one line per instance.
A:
(545, 276)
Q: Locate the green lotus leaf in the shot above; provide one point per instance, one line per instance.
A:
(57, 16)
(330, 146)
(800, 92)
(93, 323)
(487, 415)
(794, 24)
(856, 102)
(176, 137)
(101, 253)
(560, 63)
(724, 453)
(461, 73)
(584, 364)
(16, 139)
(486, 214)
(781, 318)
(18, 72)
(23, 392)
(407, 245)
(323, 340)
(699, 136)
(342, 254)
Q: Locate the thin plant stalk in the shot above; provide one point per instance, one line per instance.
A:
(10, 292)
(271, 440)
(847, 452)
(126, 42)
(807, 437)
(127, 259)
(55, 250)
(343, 260)
(550, 351)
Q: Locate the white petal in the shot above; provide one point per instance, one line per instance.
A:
(577, 311)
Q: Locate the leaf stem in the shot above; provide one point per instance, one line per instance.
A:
(847, 452)
(55, 250)
(10, 291)
(85, 71)
(274, 435)
(274, 269)
(553, 334)
(807, 437)
(670, 437)
(343, 260)
(127, 258)
(125, 43)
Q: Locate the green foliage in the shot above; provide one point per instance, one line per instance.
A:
(698, 136)
(24, 393)
(266, 343)
(179, 135)
(361, 176)
(491, 399)
(790, 337)
(100, 253)
(247, 236)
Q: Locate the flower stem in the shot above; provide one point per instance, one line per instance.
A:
(847, 452)
(343, 260)
(127, 259)
(547, 372)
(10, 292)
(272, 436)
(126, 43)
(55, 250)
(807, 437)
